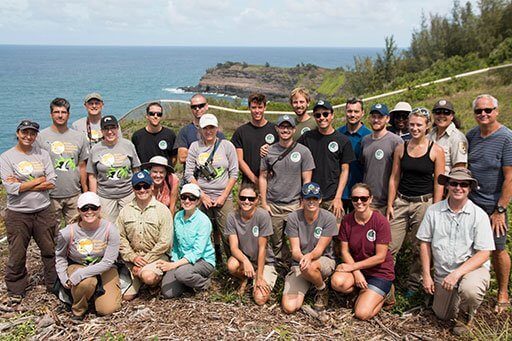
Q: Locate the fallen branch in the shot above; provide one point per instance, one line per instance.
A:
(10, 324)
(386, 329)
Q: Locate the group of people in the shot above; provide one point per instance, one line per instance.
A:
(308, 194)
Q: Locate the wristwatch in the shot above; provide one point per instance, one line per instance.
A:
(500, 209)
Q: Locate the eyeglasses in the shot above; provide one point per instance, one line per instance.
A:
(362, 198)
(442, 112)
(142, 185)
(184, 197)
(325, 114)
(487, 110)
(244, 198)
(86, 208)
(155, 113)
(454, 184)
(197, 106)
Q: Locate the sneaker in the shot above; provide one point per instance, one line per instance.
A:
(461, 328)
(78, 317)
(321, 299)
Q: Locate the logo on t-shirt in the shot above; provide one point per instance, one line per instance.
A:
(295, 157)
(371, 235)
(379, 154)
(318, 232)
(333, 146)
(463, 147)
(304, 130)
(269, 138)
(162, 145)
(256, 231)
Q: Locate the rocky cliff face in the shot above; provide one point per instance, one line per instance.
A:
(240, 79)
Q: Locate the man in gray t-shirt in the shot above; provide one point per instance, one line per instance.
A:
(378, 149)
(282, 171)
(68, 151)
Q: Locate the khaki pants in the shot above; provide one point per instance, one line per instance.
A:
(295, 283)
(277, 240)
(64, 207)
(110, 208)
(105, 304)
(136, 281)
(379, 208)
(404, 226)
(466, 298)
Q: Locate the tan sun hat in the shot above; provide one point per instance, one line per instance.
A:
(459, 174)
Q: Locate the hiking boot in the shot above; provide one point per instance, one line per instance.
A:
(390, 298)
(321, 299)
(78, 317)
(461, 328)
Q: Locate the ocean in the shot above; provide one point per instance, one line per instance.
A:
(31, 76)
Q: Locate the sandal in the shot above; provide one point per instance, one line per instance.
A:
(501, 307)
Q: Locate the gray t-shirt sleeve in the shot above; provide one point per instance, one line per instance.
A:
(48, 167)
(292, 225)
(190, 164)
(331, 228)
(265, 223)
(232, 159)
(230, 225)
(61, 255)
(134, 157)
(308, 163)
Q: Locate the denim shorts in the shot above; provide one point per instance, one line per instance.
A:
(380, 285)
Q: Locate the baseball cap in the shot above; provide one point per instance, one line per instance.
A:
(324, 104)
(93, 95)
(88, 198)
(107, 121)
(311, 190)
(28, 124)
(208, 120)
(402, 106)
(380, 108)
(443, 104)
(286, 118)
(460, 174)
(191, 189)
(141, 176)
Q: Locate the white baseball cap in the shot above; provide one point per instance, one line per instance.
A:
(208, 120)
(88, 198)
(191, 189)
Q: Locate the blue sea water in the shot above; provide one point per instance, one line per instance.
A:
(31, 76)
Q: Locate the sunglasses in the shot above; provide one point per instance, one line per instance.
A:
(197, 106)
(325, 114)
(184, 197)
(487, 110)
(244, 198)
(89, 207)
(454, 184)
(155, 113)
(140, 186)
(442, 112)
(356, 199)
(311, 189)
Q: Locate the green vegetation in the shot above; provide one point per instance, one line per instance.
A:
(20, 332)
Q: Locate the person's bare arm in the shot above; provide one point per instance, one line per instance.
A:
(83, 176)
(93, 182)
(498, 223)
(244, 167)
(426, 260)
(439, 164)
(337, 204)
(394, 179)
(182, 154)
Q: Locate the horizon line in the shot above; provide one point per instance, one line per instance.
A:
(201, 46)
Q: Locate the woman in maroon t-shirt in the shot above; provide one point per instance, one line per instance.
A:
(367, 262)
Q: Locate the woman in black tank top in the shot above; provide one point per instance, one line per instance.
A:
(413, 187)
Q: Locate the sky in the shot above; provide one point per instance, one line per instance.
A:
(326, 23)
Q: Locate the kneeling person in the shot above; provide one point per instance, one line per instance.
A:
(192, 258)
(146, 230)
(367, 262)
(248, 230)
(456, 234)
(310, 231)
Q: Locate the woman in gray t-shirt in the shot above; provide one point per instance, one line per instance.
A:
(85, 256)
(28, 175)
(212, 164)
(248, 230)
(110, 167)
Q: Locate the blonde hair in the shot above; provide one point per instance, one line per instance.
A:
(300, 91)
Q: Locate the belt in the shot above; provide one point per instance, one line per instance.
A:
(419, 198)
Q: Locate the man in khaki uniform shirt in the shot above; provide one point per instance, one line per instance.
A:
(146, 232)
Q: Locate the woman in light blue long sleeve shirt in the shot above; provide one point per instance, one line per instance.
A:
(192, 256)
